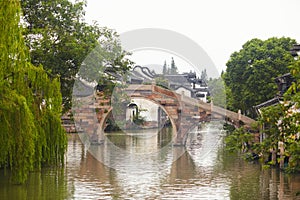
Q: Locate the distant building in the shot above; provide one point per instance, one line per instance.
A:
(283, 83)
(140, 75)
(185, 84)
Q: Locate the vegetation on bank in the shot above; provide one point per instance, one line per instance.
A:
(217, 92)
(279, 131)
(30, 107)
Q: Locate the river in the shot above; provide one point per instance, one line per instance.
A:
(143, 165)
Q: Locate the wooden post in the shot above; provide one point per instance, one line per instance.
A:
(281, 152)
(274, 156)
(239, 115)
(152, 85)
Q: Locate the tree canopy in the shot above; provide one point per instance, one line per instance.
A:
(60, 40)
(280, 134)
(217, 91)
(281, 125)
(204, 76)
(250, 73)
(173, 70)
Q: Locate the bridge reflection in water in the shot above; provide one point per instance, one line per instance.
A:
(204, 171)
(145, 165)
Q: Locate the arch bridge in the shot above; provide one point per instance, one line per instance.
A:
(184, 112)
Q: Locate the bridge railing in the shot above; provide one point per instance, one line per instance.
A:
(218, 110)
(164, 91)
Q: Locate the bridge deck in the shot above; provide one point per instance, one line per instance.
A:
(191, 101)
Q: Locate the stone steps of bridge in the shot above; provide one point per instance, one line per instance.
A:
(190, 110)
(166, 92)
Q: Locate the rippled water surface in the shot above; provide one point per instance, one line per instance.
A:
(143, 165)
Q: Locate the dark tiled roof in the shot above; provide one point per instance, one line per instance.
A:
(270, 102)
(201, 89)
(178, 79)
(185, 87)
(136, 75)
(145, 70)
(294, 51)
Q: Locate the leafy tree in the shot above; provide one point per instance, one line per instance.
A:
(60, 40)
(238, 140)
(30, 104)
(106, 63)
(250, 72)
(217, 91)
(293, 93)
(281, 124)
(161, 81)
(173, 69)
(165, 68)
(204, 76)
(289, 125)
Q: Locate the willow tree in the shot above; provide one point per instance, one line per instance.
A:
(30, 104)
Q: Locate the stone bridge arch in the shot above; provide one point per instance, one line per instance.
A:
(184, 113)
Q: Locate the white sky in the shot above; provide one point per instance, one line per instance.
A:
(220, 27)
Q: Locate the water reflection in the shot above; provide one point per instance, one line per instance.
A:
(46, 184)
(205, 171)
(250, 181)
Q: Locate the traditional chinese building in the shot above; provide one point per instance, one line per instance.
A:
(186, 83)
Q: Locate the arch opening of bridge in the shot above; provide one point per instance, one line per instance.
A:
(124, 118)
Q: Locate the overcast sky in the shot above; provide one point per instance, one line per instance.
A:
(220, 27)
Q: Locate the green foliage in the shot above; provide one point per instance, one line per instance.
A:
(161, 81)
(165, 68)
(281, 124)
(30, 104)
(173, 69)
(138, 119)
(228, 128)
(106, 64)
(217, 92)
(270, 117)
(170, 71)
(238, 140)
(250, 72)
(293, 93)
(111, 125)
(60, 40)
(204, 76)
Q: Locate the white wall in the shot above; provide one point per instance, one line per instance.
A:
(204, 99)
(151, 113)
(184, 92)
